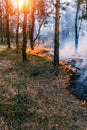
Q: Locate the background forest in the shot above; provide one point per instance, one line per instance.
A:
(43, 64)
(34, 22)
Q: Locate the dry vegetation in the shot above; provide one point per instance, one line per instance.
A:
(33, 95)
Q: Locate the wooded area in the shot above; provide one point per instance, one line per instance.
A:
(16, 18)
(34, 80)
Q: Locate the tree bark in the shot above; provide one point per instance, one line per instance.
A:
(56, 39)
(1, 24)
(17, 28)
(24, 33)
(32, 33)
(32, 25)
(7, 24)
(76, 28)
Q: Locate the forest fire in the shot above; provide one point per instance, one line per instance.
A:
(76, 83)
(43, 64)
(40, 50)
(74, 67)
(67, 67)
(36, 50)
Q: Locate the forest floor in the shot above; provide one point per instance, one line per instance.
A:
(33, 95)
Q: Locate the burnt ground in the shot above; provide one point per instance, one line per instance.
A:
(33, 95)
(78, 82)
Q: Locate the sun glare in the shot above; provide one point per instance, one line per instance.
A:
(21, 3)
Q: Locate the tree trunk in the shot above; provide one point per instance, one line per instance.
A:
(24, 33)
(17, 29)
(1, 24)
(32, 33)
(32, 25)
(86, 7)
(7, 24)
(56, 39)
(76, 29)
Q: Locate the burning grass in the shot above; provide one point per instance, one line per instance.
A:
(32, 97)
(40, 50)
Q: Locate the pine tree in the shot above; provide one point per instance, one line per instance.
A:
(56, 40)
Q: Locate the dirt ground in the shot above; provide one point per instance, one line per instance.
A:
(33, 95)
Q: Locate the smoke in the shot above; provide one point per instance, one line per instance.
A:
(78, 86)
(82, 48)
(67, 50)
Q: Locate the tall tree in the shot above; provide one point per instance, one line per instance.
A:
(78, 23)
(7, 3)
(37, 11)
(32, 23)
(56, 38)
(76, 27)
(24, 32)
(86, 7)
(17, 27)
(1, 23)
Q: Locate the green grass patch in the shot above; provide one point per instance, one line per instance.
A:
(8, 79)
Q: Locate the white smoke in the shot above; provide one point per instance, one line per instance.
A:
(82, 48)
(67, 51)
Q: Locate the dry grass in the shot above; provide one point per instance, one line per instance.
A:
(33, 95)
